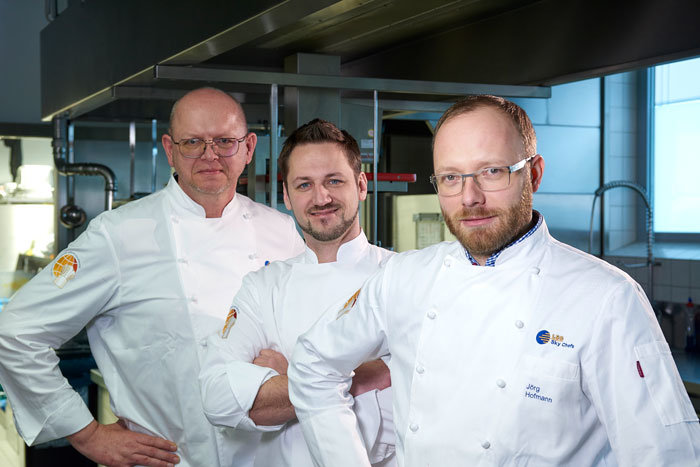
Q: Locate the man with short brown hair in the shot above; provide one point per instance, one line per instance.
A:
(244, 375)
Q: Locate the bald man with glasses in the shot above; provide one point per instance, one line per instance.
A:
(150, 281)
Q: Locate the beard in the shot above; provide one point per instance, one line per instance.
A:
(332, 232)
(510, 223)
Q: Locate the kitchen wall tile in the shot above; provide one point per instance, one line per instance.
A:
(662, 273)
(679, 294)
(662, 293)
(695, 275)
(680, 273)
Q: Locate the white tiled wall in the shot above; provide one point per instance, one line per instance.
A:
(621, 152)
(674, 279)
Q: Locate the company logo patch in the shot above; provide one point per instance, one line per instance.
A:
(543, 337)
(64, 269)
(349, 304)
(230, 321)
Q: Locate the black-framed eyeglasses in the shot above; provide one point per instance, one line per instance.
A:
(488, 179)
(193, 148)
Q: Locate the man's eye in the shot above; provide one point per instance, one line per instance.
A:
(493, 172)
(303, 186)
(334, 181)
(450, 179)
(192, 142)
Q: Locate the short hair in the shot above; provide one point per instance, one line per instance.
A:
(320, 131)
(516, 114)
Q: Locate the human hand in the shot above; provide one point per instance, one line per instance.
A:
(116, 446)
(370, 375)
(272, 359)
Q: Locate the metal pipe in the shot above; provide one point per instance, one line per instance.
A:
(132, 159)
(58, 144)
(274, 141)
(374, 168)
(154, 153)
(650, 225)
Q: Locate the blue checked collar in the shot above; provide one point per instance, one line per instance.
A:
(491, 260)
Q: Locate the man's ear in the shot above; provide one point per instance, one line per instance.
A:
(536, 171)
(287, 204)
(362, 186)
(250, 141)
(167, 143)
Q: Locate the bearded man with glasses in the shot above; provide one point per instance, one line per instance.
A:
(150, 281)
(507, 347)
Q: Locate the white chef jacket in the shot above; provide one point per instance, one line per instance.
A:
(552, 357)
(152, 279)
(274, 306)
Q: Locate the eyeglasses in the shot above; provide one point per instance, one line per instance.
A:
(193, 148)
(488, 179)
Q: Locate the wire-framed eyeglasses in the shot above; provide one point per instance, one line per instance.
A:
(488, 179)
(193, 148)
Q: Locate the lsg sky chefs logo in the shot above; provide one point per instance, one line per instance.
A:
(545, 337)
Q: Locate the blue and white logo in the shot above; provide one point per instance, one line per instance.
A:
(543, 337)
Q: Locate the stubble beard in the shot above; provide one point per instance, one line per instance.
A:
(333, 233)
(484, 241)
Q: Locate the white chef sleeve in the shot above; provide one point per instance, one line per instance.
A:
(631, 379)
(49, 310)
(320, 375)
(229, 382)
(374, 413)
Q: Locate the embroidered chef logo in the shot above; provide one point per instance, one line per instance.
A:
(349, 304)
(230, 321)
(545, 337)
(64, 269)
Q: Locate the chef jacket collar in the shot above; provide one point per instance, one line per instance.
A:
(506, 251)
(184, 204)
(349, 252)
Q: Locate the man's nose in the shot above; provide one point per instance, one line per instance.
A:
(321, 195)
(209, 153)
(472, 195)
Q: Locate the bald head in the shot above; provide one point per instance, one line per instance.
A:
(203, 98)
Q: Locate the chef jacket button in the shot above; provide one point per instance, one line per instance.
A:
(203, 343)
(252, 256)
(519, 324)
(535, 270)
(182, 260)
(500, 383)
(175, 219)
(485, 445)
(193, 299)
(448, 262)
(420, 370)
(246, 215)
(432, 314)
(413, 427)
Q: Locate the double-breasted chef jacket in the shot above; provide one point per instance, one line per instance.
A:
(552, 357)
(274, 306)
(150, 280)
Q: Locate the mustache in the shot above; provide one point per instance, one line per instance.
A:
(315, 208)
(477, 212)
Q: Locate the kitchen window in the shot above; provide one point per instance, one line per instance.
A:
(676, 149)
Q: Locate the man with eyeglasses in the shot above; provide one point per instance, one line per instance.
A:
(150, 280)
(507, 347)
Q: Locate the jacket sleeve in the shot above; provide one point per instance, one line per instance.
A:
(631, 379)
(320, 375)
(229, 381)
(45, 313)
